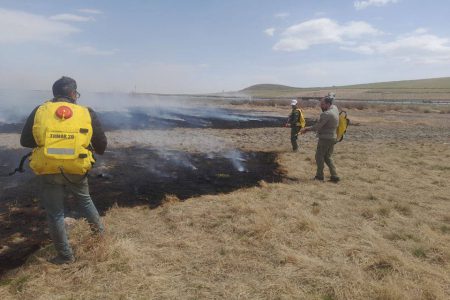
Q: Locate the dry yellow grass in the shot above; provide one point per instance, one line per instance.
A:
(382, 233)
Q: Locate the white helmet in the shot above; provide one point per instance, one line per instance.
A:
(294, 102)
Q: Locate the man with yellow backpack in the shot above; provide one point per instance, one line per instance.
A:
(329, 132)
(64, 136)
(296, 121)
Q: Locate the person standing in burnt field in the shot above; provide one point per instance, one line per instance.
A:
(296, 122)
(326, 132)
(64, 136)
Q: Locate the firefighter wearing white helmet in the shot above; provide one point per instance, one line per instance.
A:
(296, 121)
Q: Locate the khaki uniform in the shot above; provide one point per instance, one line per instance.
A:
(326, 132)
(325, 148)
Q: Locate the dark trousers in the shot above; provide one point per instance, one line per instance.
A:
(294, 136)
(324, 152)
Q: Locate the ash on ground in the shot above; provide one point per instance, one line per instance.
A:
(125, 177)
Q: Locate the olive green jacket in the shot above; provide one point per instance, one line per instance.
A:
(327, 124)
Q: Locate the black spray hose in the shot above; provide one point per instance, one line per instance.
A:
(70, 181)
(20, 168)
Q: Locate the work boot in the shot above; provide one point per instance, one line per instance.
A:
(335, 179)
(318, 178)
(61, 260)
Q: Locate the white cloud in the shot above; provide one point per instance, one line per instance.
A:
(89, 50)
(282, 15)
(90, 11)
(418, 43)
(270, 31)
(18, 27)
(323, 31)
(71, 18)
(418, 46)
(421, 30)
(365, 4)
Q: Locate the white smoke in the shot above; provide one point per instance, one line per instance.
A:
(237, 159)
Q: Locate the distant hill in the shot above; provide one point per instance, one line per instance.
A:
(271, 90)
(270, 87)
(432, 83)
(434, 88)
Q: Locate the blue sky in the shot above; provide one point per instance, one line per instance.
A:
(211, 46)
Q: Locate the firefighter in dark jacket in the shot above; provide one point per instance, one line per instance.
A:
(296, 121)
(64, 136)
